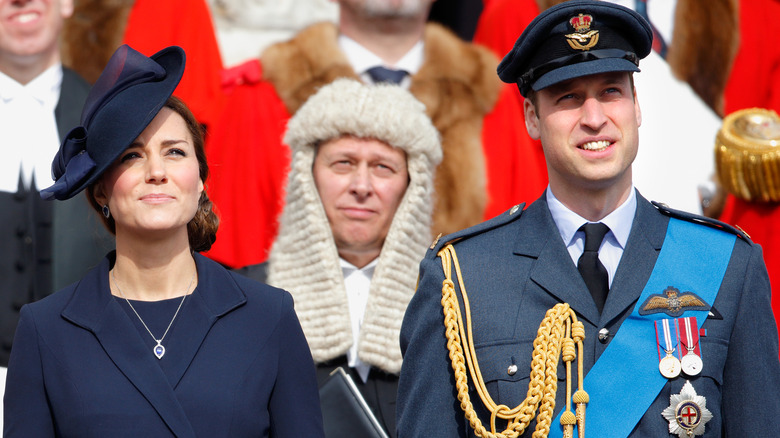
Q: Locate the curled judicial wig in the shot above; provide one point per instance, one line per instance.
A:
(304, 258)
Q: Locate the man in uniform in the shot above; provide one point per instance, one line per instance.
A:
(679, 338)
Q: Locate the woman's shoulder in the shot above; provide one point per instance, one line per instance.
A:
(257, 295)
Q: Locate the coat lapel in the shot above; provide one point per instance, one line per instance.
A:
(638, 260)
(94, 309)
(211, 299)
(553, 269)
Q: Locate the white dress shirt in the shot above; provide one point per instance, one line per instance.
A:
(362, 59)
(357, 282)
(619, 223)
(28, 129)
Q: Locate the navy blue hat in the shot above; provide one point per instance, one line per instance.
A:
(576, 38)
(125, 99)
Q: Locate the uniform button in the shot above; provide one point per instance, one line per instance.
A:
(28, 240)
(603, 335)
(511, 370)
(514, 209)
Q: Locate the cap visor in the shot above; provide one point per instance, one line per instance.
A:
(605, 65)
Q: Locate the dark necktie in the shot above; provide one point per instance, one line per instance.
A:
(593, 272)
(382, 74)
(659, 45)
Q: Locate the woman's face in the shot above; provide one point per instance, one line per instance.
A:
(154, 186)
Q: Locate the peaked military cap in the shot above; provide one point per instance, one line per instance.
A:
(573, 39)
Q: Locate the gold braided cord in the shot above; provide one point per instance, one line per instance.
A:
(558, 334)
(747, 155)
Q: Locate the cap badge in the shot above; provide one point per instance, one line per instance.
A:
(687, 413)
(584, 37)
(672, 303)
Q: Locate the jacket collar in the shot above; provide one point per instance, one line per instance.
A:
(93, 308)
(554, 272)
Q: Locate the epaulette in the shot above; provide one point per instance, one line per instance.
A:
(703, 220)
(504, 218)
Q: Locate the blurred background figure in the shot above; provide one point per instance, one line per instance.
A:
(99, 27)
(246, 27)
(354, 229)
(40, 101)
(484, 170)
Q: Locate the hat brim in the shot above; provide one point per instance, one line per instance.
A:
(120, 121)
(596, 66)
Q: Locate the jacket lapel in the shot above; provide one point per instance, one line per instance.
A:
(553, 269)
(211, 299)
(94, 309)
(638, 260)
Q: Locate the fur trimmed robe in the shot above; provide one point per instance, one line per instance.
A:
(457, 83)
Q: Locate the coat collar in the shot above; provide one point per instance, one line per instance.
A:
(554, 272)
(93, 308)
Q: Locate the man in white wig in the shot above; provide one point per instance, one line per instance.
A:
(354, 228)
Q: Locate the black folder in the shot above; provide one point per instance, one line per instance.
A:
(344, 411)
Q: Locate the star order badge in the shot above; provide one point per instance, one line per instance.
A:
(687, 412)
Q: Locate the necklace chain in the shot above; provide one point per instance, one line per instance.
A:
(159, 350)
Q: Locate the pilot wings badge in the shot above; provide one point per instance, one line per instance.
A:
(672, 303)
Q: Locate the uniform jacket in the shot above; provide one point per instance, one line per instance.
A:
(516, 267)
(80, 367)
(40, 235)
(474, 113)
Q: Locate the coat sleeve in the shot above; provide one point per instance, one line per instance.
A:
(427, 400)
(751, 375)
(26, 408)
(295, 402)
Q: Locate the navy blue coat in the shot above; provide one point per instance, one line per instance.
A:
(516, 267)
(80, 368)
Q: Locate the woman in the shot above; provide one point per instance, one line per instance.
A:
(157, 340)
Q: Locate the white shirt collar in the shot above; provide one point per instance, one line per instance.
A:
(361, 59)
(348, 268)
(45, 87)
(568, 222)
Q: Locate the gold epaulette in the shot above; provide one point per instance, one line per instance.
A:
(747, 155)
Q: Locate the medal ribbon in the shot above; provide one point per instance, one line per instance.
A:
(693, 258)
(689, 335)
(666, 339)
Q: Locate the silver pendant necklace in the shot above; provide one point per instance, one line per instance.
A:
(158, 349)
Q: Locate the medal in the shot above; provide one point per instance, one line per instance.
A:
(687, 412)
(689, 338)
(666, 334)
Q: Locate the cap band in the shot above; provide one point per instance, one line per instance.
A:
(525, 81)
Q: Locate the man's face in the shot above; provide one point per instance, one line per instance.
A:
(589, 128)
(388, 8)
(29, 29)
(361, 183)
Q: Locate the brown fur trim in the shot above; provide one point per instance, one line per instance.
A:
(704, 44)
(457, 83)
(92, 33)
(299, 67)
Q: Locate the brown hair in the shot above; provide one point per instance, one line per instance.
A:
(202, 229)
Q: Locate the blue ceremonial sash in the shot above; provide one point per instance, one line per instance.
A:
(693, 258)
